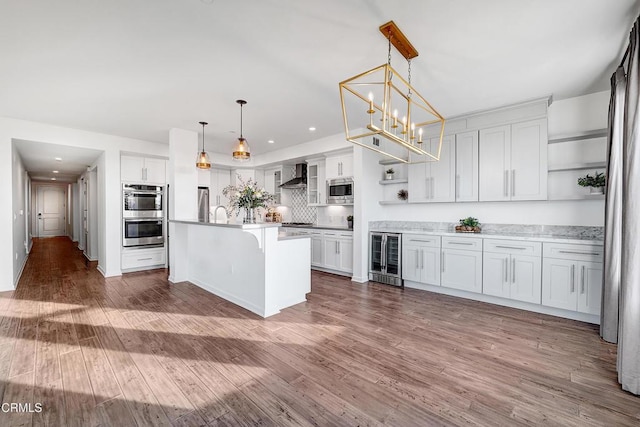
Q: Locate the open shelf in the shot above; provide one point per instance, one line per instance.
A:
(392, 202)
(393, 181)
(578, 166)
(590, 134)
(386, 162)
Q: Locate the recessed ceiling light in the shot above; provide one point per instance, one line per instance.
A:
(56, 172)
(58, 159)
(311, 129)
(53, 179)
(271, 141)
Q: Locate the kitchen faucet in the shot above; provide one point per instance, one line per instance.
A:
(215, 213)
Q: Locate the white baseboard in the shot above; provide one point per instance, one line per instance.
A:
(19, 275)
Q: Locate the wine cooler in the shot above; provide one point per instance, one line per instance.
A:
(385, 251)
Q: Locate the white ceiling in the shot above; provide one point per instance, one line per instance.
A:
(139, 68)
(40, 160)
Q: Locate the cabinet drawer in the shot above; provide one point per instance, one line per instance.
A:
(339, 234)
(422, 240)
(464, 243)
(143, 258)
(516, 247)
(592, 253)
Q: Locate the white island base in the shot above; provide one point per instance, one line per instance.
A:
(245, 264)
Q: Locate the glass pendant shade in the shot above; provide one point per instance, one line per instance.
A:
(242, 151)
(202, 161)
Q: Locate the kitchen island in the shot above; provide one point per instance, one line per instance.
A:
(247, 264)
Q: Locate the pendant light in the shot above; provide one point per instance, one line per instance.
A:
(242, 153)
(202, 161)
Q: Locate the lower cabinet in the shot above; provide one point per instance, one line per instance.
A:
(461, 264)
(338, 251)
(141, 259)
(421, 259)
(512, 270)
(572, 285)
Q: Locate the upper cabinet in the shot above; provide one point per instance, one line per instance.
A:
(272, 182)
(146, 170)
(339, 166)
(467, 167)
(513, 162)
(434, 181)
(316, 187)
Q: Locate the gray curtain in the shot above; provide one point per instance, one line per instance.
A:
(629, 322)
(613, 211)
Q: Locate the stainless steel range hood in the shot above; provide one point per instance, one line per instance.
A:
(300, 180)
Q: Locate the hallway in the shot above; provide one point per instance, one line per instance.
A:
(135, 350)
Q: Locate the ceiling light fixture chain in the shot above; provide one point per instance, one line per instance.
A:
(409, 77)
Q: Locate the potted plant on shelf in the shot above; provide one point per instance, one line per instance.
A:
(350, 221)
(403, 194)
(595, 183)
(468, 225)
(389, 173)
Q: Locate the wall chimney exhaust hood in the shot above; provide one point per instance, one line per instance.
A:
(300, 180)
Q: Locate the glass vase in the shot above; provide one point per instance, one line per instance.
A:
(249, 216)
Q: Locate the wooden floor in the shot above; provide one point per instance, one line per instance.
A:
(136, 350)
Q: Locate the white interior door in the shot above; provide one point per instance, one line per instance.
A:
(51, 209)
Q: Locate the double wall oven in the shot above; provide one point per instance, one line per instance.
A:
(142, 215)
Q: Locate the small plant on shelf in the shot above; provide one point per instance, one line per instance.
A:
(403, 194)
(595, 182)
(468, 225)
(389, 173)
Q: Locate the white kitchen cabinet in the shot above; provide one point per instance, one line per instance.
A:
(572, 277)
(339, 166)
(141, 259)
(512, 270)
(466, 179)
(513, 162)
(316, 183)
(337, 251)
(272, 182)
(316, 249)
(421, 259)
(461, 263)
(146, 170)
(219, 179)
(434, 181)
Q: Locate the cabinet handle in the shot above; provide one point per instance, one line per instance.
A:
(461, 243)
(580, 253)
(506, 183)
(417, 240)
(505, 276)
(338, 246)
(582, 280)
(417, 260)
(513, 270)
(511, 247)
(433, 187)
(573, 278)
(442, 262)
(513, 182)
(145, 259)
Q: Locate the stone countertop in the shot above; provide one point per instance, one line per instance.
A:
(549, 238)
(319, 227)
(238, 226)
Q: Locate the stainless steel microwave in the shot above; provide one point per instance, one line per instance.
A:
(340, 191)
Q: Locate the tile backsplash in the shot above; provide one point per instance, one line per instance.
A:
(300, 212)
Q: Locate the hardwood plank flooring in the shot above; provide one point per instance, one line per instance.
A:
(137, 350)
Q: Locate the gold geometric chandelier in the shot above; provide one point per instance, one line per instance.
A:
(381, 103)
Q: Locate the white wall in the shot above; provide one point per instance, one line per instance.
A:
(19, 220)
(109, 226)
